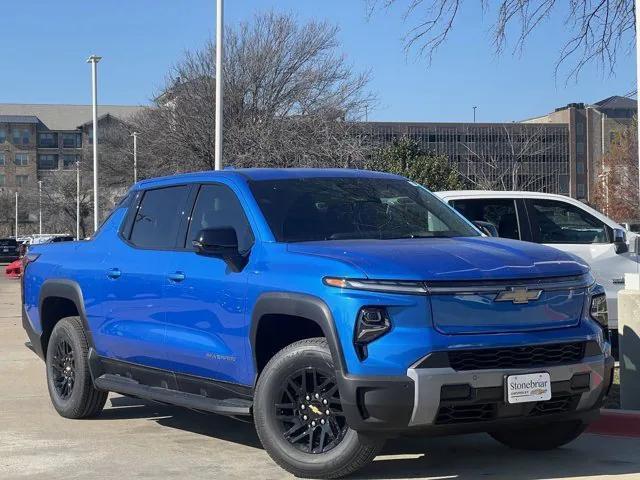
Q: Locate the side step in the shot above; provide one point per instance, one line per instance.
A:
(126, 386)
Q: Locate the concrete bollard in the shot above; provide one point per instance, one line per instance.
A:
(629, 331)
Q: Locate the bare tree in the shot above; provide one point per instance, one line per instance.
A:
(596, 30)
(289, 96)
(512, 163)
(616, 191)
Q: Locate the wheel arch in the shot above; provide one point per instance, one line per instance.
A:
(60, 298)
(295, 305)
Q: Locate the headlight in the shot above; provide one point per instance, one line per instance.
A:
(371, 324)
(599, 310)
(386, 286)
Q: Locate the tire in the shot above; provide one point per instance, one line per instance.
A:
(70, 386)
(278, 413)
(546, 437)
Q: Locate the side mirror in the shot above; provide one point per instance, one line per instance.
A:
(221, 243)
(620, 240)
(217, 242)
(488, 228)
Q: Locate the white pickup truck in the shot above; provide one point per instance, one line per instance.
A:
(558, 221)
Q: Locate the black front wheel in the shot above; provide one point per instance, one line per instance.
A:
(299, 417)
(70, 386)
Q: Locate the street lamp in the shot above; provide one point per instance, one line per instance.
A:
(474, 113)
(78, 198)
(93, 60)
(135, 156)
(40, 207)
(219, 84)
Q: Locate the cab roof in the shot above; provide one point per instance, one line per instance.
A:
(256, 174)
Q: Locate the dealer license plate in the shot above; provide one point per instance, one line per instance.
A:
(532, 387)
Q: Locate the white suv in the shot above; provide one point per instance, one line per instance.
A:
(561, 222)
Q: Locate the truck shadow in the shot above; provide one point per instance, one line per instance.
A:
(462, 457)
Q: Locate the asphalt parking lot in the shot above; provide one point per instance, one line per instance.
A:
(136, 440)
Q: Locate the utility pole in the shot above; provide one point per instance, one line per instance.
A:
(219, 83)
(78, 199)
(93, 60)
(135, 156)
(16, 215)
(40, 207)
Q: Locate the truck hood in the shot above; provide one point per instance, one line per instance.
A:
(447, 259)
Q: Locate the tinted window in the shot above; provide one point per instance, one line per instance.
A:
(8, 242)
(559, 222)
(311, 209)
(501, 212)
(158, 217)
(218, 207)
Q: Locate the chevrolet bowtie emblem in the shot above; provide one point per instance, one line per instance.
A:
(315, 409)
(518, 295)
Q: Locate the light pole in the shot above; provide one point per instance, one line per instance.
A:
(474, 114)
(78, 199)
(219, 84)
(135, 156)
(93, 60)
(40, 207)
(16, 215)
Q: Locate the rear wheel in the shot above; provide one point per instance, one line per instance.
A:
(70, 386)
(546, 437)
(299, 418)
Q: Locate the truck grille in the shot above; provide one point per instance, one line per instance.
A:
(517, 357)
(482, 412)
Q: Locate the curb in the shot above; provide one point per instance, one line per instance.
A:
(618, 423)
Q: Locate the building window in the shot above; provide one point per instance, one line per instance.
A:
(580, 190)
(1, 179)
(22, 159)
(69, 161)
(3, 135)
(26, 136)
(2, 160)
(71, 140)
(48, 140)
(22, 180)
(580, 148)
(48, 162)
(580, 168)
(15, 133)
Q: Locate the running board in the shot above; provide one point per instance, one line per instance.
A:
(126, 386)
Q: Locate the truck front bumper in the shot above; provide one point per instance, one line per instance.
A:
(434, 398)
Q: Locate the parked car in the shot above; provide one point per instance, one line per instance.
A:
(337, 308)
(9, 250)
(561, 222)
(14, 269)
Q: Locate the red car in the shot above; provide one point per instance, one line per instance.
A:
(14, 269)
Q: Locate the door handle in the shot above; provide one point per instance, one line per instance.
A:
(114, 273)
(177, 277)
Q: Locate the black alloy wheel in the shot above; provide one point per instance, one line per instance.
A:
(63, 368)
(310, 412)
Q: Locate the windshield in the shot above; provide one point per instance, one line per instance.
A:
(311, 209)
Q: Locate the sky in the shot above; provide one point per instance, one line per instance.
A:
(44, 45)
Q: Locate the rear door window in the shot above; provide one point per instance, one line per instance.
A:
(501, 212)
(559, 222)
(158, 218)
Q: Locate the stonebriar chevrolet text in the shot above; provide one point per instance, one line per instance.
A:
(337, 308)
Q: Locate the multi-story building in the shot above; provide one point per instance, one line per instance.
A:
(556, 153)
(591, 129)
(37, 141)
(505, 156)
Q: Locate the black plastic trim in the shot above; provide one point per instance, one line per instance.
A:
(35, 340)
(299, 305)
(69, 290)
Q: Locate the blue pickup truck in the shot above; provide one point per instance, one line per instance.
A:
(336, 308)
